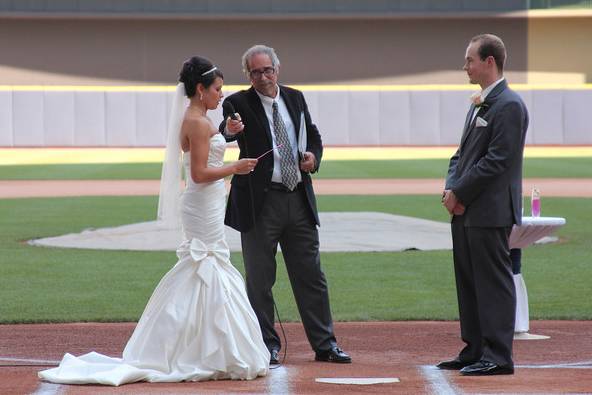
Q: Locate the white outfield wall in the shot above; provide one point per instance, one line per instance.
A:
(346, 115)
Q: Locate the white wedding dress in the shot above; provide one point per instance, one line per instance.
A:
(198, 324)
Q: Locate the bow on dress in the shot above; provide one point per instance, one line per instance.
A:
(199, 251)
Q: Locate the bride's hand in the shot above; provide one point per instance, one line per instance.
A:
(244, 166)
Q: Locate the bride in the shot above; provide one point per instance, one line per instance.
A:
(198, 324)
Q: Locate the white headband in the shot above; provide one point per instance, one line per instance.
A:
(209, 71)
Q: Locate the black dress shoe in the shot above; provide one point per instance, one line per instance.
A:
(334, 354)
(453, 364)
(485, 368)
(274, 358)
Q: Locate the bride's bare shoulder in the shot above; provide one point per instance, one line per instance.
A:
(194, 124)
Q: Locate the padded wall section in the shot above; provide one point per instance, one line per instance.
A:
(139, 118)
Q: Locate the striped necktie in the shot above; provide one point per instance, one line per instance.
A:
(288, 167)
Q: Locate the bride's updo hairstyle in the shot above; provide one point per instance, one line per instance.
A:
(198, 70)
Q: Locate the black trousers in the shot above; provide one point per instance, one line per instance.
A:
(285, 219)
(485, 291)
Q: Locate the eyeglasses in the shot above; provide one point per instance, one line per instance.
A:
(268, 71)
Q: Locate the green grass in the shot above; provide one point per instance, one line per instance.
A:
(103, 171)
(61, 285)
(429, 168)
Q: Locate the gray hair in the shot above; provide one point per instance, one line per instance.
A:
(257, 49)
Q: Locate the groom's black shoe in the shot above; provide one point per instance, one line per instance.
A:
(486, 368)
(453, 364)
(274, 359)
(334, 354)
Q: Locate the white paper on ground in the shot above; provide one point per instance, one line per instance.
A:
(357, 380)
(528, 336)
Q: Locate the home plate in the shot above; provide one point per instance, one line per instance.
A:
(358, 380)
(529, 336)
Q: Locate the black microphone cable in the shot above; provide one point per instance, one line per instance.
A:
(230, 108)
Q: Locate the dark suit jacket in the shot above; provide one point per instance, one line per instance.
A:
(485, 173)
(247, 192)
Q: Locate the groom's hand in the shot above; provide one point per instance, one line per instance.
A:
(459, 209)
(449, 200)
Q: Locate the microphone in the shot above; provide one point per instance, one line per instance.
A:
(229, 108)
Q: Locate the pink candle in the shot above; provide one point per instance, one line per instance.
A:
(536, 207)
(535, 203)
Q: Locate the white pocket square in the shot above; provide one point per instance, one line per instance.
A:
(481, 122)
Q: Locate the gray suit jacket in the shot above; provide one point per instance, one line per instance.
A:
(485, 173)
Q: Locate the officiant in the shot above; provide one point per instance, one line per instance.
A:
(276, 202)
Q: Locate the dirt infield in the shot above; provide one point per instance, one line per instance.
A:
(581, 187)
(405, 350)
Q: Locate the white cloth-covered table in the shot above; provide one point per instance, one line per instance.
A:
(531, 230)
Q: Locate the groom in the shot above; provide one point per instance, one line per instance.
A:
(276, 203)
(483, 195)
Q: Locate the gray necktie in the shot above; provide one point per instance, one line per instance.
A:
(288, 165)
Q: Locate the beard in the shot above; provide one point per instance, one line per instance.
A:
(266, 87)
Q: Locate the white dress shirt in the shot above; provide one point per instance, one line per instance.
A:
(267, 103)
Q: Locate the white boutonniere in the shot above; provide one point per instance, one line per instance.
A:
(477, 100)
